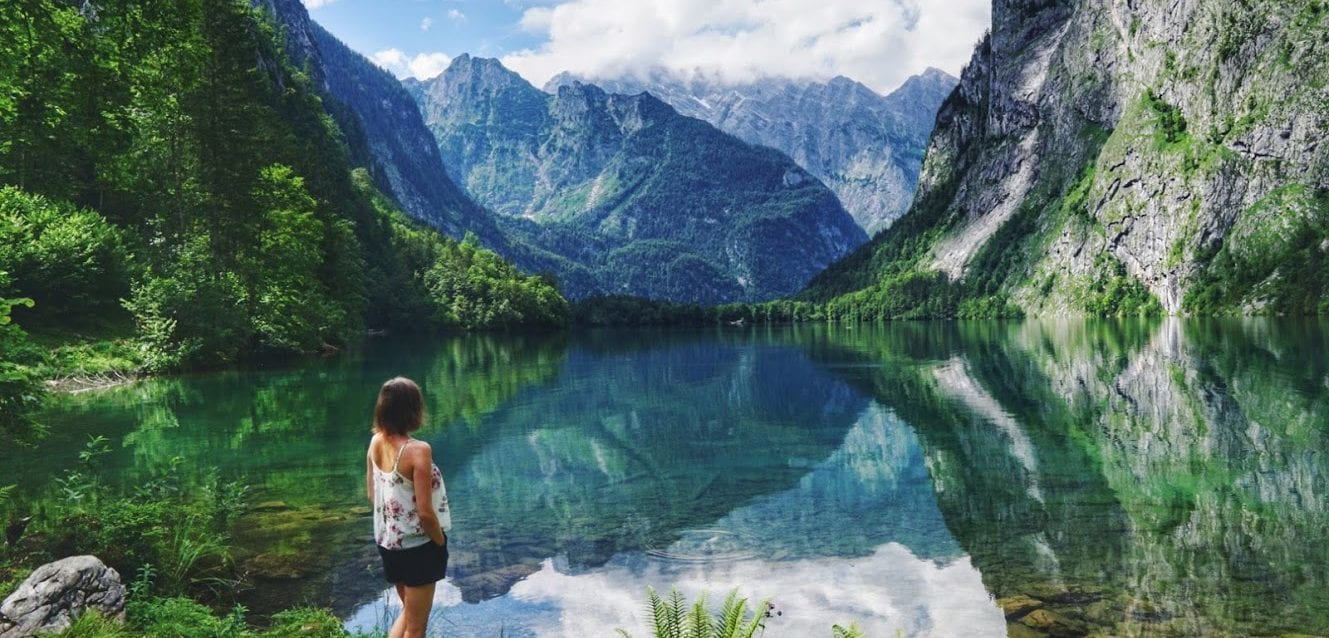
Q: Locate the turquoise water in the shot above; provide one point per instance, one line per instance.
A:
(947, 479)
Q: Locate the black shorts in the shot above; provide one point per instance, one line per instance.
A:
(415, 566)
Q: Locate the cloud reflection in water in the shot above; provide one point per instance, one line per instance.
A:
(859, 539)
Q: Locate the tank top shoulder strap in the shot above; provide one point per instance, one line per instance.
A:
(400, 450)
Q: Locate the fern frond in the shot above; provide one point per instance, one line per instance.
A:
(838, 631)
(699, 622)
(659, 613)
(758, 620)
(677, 612)
(731, 615)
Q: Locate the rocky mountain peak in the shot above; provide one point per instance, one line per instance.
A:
(625, 195)
(866, 147)
(483, 74)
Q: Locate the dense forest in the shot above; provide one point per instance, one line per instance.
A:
(175, 188)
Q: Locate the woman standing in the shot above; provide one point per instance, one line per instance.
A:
(410, 505)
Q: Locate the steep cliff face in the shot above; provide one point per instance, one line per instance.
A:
(621, 194)
(1113, 155)
(865, 147)
(383, 127)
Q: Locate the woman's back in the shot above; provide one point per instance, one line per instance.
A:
(397, 523)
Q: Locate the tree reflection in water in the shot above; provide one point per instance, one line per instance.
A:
(1163, 477)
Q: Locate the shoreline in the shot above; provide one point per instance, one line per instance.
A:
(80, 383)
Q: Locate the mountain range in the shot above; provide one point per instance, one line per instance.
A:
(617, 193)
(621, 194)
(1092, 159)
(866, 147)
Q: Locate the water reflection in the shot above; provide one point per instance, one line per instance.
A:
(1161, 477)
(857, 538)
(1154, 479)
(640, 439)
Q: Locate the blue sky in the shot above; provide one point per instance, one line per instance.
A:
(878, 42)
(488, 28)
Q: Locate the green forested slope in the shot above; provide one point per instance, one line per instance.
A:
(166, 167)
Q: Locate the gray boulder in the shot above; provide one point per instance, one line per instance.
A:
(57, 593)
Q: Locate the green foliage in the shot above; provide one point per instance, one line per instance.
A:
(307, 622)
(184, 135)
(1169, 122)
(673, 618)
(101, 356)
(57, 113)
(178, 617)
(852, 631)
(893, 252)
(171, 534)
(93, 625)
(291, 308)
(1269, 266)
(190, 310)
(473, 288)
(1114, 293)
(182, 618)
(70, 261)
(434, 281)
(21, 389)
(619, 310)
(908, 295)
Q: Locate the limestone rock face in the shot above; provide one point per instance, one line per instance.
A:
(1173, 147)
(57, 593)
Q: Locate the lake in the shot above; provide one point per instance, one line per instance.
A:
(1152, 477)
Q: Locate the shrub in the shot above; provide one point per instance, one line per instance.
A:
(173, 536)
(182, 618)
(191, 311)
(21, 390)
(307, 622)
(70, 261)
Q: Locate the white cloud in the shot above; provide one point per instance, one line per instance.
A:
(456, 15)
(314, 4)
(428, 65)
(425, 23)
(389, 59)
(421, 66)
(878, 42)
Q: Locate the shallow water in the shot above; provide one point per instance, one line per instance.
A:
(1166, 477)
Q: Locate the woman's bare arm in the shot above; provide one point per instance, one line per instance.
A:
(422, 477)
(369, 478)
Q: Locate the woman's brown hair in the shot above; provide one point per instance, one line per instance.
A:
(400, 409)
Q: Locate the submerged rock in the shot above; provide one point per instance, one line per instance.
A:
(58, 593)
(1016, 606)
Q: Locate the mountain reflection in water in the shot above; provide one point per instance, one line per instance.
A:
(1163, 477)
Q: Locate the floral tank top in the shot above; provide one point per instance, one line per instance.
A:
(396, 521)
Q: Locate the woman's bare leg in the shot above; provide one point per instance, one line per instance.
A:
(416, 610)
(399, 625)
